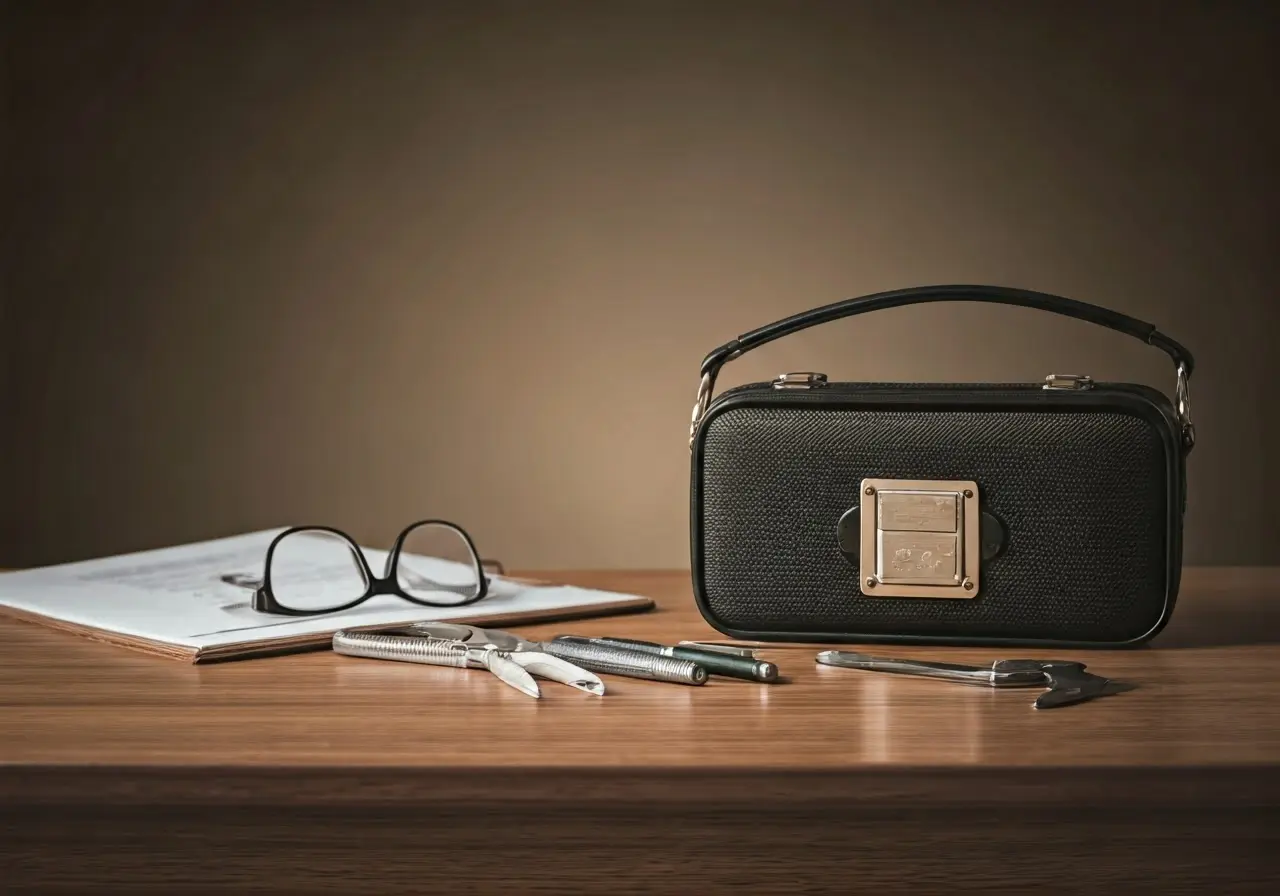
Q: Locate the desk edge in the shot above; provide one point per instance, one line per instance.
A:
(888, 786)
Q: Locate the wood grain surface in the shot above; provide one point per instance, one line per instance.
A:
(1205, 694)
(125, 772)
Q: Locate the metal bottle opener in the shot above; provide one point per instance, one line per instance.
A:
(1067, 681)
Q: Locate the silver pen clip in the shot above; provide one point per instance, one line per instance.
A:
(731, 650)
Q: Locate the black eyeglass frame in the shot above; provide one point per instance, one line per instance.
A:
(264, 599)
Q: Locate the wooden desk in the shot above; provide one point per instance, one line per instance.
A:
(319, 773)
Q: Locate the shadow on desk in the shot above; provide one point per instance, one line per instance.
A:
(1234, 607)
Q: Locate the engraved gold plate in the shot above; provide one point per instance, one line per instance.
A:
(919, 538)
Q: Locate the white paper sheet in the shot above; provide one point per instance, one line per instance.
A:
(181, 595)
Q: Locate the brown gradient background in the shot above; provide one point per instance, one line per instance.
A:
(274, 263)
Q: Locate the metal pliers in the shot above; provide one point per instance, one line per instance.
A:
(1067, 682)
(468, 647)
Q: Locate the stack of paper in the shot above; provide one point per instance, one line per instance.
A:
(192, 602)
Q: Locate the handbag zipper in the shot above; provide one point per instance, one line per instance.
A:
(813, 386)
(809, 387)
(813, 380)
(817, 384)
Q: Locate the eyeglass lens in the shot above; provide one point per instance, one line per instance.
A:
(437, 565)
(313, 571)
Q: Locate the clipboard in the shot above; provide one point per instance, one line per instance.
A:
(176, 603)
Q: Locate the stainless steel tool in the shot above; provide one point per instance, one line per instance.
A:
(606, 659)
(730, 649)
(1067, 682)
(716, 662)
(468, 647)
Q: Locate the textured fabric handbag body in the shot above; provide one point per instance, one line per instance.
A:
(1045, 513)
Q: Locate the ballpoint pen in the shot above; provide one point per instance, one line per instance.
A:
(609, 659)
(715, 662)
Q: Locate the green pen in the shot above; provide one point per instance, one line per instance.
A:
(715, 662)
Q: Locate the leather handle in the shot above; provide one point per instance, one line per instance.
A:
(1003, 295)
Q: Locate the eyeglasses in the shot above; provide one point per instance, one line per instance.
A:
(317, 569)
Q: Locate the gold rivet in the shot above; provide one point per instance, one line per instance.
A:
(871, 489)
(968, 493)
(968, 585)
(871, 583)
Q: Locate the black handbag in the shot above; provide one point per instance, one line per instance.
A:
(1032, 513)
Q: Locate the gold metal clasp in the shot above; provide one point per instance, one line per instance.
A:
(920, 538)
(1069, 381)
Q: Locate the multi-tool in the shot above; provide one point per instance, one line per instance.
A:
(513, 659)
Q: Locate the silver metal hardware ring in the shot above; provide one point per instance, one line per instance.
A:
(1183, 395)
(700, 405)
